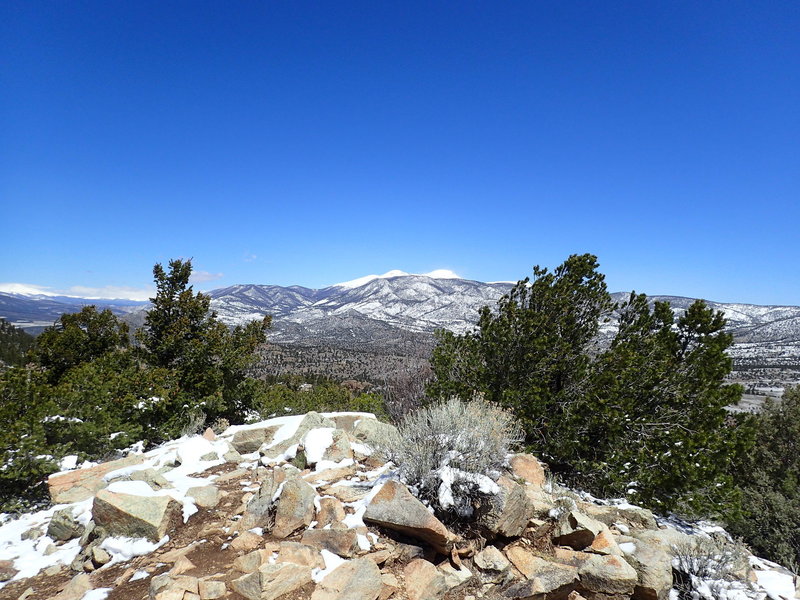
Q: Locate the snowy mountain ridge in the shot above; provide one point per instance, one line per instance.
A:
(398, 312)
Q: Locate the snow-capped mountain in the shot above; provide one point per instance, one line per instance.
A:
(413, 302)
(397, 313)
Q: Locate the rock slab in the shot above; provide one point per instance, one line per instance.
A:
(150, 517)
(394, 507)
(358, 579)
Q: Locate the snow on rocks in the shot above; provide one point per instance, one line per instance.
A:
(334, 524)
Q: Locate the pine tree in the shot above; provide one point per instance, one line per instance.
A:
(644, 417)
(183, 335)
(78, 338)
(533, 353)
(659, 430)
(769, 477)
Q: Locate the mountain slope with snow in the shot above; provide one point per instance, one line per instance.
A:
(398, 312)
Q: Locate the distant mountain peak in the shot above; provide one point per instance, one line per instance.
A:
(437, 274)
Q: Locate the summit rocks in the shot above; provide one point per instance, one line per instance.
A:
(257, 527)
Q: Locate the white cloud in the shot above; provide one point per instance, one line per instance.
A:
(249, 257)
(111, 292)
(108, 292)
(201, 276)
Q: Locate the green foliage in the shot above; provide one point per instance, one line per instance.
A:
(645, 417)
(533, 353)
(282, 399)
(87, 392)
(78, 338)
(14, 344)
(769, 477)
(24, 403)
(656, 428)
(209, 361)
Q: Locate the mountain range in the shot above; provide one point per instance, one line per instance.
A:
(397, 313)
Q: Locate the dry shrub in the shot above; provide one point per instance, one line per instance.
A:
(712, 568)
(451, 453)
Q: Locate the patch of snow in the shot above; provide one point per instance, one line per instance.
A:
(316, 442)
(627, 547)
(773, 579)
(324, 465)
(123, 549)
(331, 562)
(97, 594)
(363, 542)
(68, 462)
(139, 575)
(361, 448)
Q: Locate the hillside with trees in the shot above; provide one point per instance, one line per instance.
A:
(14, 343)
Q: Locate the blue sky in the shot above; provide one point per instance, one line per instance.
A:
(311, 143)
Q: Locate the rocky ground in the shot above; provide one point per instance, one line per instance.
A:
(301, 508)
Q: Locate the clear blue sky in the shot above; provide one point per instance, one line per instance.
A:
(310, 143)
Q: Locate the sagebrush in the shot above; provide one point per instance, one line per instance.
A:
(452, 452)
(712, 568)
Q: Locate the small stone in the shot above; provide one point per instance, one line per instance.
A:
(454, 577)
(390, 586)
(7, 570)
(604, 543)
(247, 541)
(394, 507)
(128, 515)
(76, 588)
(300, 554)
(379, 557)
(209, 434)
(100, 557)
(259, 507)
(34, 533)
(295, 508)
(250, 562)
(186, 583)
(604, 576)
(209, 589)
(330, 511)
(543, 580)
(181, 566)
(424, 581)
(491, 559)
(527, 467)
(358, 579)
(250, 440)
(507, 513)
(272, 580)
(63, 526)
(152, 478)
(206, 496)
(577, 531)
(27, 594)
(341, 542)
